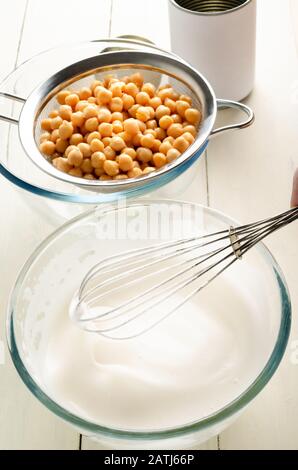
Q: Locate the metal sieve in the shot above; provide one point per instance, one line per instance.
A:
(157, 68)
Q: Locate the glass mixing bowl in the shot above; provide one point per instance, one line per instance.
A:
(53, 273)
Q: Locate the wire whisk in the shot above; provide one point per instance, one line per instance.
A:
(128, 294)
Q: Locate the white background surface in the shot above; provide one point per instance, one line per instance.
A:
(245, 174)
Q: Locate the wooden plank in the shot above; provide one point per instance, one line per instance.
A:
(63, 22)
(150, 20)
(28, 425)
(250, 177)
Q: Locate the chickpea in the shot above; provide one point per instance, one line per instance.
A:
(185, 98)
(91, 124)
(189, 137)
(143, 114)
(76, 172)
(54, 113)
(86, 166)
(120, 177)
(169, 139)
(155, 102)
(72, 100)
(105, 178)
(126, 137)
(62, 95)
(125, 162)
(45, 136)
(109, 153)
(95, 84)
(148, 169)
(143, 98)
(66, 130)
(133, 110)
(134, 173)
(61, 145)
(147, 141)
(156, 145)
(176, 118)
(165, 147)
(105, 129)
(117, 116)
(131, 126)
(46, 124)
(193, 116)
(75, 158)
(117, 127)
(165, 122)
(65, 112)
(172, 154)
(84, 131)
(131, 89)
(55, 135)
(191, 129)
(136, 164)
(171, 104)
(85, 149)
(96, 145)
(137, 139)
(92, 136)
(116, 105)
(128, 101)
(150, 132)
(162, 111)
(89, 176)
(149, 88)
(144, 154)
(160, 133)
(106, 141)
(159, 160)
(103, 95)
(152, 124)
(85, 93)
(81, 105)
(117, 144)
(90, 111)
(77, 119)
(92, 100)
(125, 115)
(111, 168)
(99, 171)
(104, 115)
(181, 144)
(56, 122)
(130, 151)
(165, 93)
(137, 79)
(98, 159)
(117, 89)
(69, 149)
(175, 130)
(181, 107)
(62, 164)
(47, 147)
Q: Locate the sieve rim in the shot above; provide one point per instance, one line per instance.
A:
(107, 61)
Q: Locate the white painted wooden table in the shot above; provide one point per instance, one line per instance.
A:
(245, 174)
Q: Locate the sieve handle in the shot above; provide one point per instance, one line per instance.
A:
(13, 98)
(241, 107)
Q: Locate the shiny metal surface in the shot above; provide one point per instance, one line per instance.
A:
(210, 7)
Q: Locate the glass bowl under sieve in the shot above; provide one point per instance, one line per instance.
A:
(72, 249)
(166, 68)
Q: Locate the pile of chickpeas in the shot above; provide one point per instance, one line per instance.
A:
(118, 129)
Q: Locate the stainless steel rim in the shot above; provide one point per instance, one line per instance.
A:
(209, 7)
